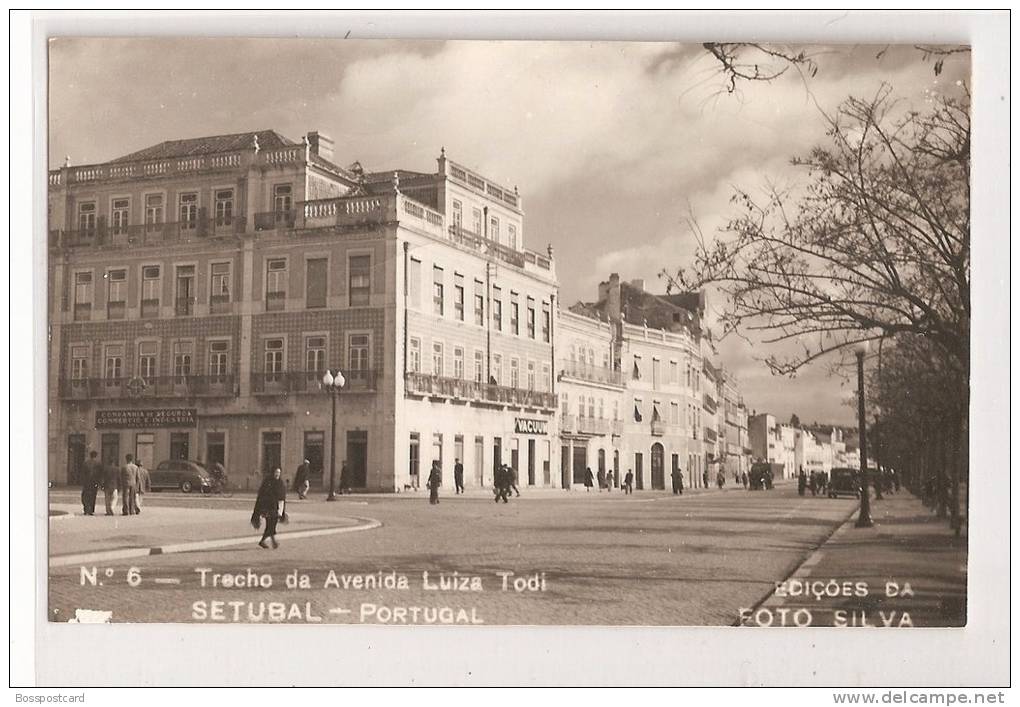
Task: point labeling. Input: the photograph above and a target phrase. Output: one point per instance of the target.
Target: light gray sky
(611, 144)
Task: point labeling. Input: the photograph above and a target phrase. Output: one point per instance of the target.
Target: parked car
(844, 482)
(181, 474)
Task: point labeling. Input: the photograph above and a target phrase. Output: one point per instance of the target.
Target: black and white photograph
(518, 332)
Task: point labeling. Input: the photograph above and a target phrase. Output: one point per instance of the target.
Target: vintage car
(844, 482)
(181, 474)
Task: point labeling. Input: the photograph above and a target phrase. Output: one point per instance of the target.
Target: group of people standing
(604, 479)
(504, 481)
(130, 482)
(816, 482)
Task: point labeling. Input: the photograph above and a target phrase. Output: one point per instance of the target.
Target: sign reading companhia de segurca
(163, 417)
(526, 426)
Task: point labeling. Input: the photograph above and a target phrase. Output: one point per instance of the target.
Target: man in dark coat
(91, 479)
(501, 480)
(458, 475)
(675, 476)
(345, 479)
(301, 482)
(628, 482)
(589, 480)
(434, 482)
(801, 482)
(272, 493)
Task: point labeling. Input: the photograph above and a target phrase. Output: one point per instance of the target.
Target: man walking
(628, 482)
(458, 476)
(144, 485)
(92, 477)
(512, 478)
(502, 482)
(128, 486)
(743, 479)
(111, 479)
(301, 482)
(675, 477)
(434, 482)
(601, 479)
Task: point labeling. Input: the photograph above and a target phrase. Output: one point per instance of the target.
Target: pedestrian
(512, 479)
(720, 479)
(345, 479)
(743, 479)
(502, 481)
(704, 478)
(801, 482)
(111, 480)
(610, 477)
(458, 476)
(144, 485)
(301, 482)
(628, 482)
(896, 480)
(813, 483)
(601, 479)
(680, 481)
(272, 493)
(434, 482)
(589, 480)
(736, 477)
(128, 485)
(91, 479)
(675, 478)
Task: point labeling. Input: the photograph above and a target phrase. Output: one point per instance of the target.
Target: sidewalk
(907, 545)
(166, 529)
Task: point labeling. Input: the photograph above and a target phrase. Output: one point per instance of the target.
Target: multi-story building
(200, 289)
(735, 444)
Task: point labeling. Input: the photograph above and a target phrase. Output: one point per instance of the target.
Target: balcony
(147, 388)
(150, 233)
(710, 435)
(594, 426)
(710, 404)
(422, 384)
(593, 374)
(286, 382)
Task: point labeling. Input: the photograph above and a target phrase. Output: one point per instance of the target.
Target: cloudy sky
(613, 145)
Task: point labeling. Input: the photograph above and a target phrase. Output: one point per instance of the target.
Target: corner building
(200, 288)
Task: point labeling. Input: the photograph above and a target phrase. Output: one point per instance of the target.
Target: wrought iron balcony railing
(586, 372)
(442, 387)
(155, 387)
(284, 382)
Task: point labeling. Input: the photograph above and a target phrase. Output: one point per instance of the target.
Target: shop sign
(526, 426)
(162, 417)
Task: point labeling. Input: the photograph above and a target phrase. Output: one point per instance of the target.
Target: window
(638, 412)
(82, 296)
(674, 373)
(479, 303)
(437, 291)
(153, 209)
(185, 299)
(580, 406)
(219, 359)
(479, 366)
(515, 324)
(150, 291)
(113, 369)
(546, 320)
(497, 369)
(119, 211)
(602, 411)
(414, 355)
(414, 284)
(224, 206)
(282, 201)
(512, 236)
(273, 359)
(476, 219)
(87, 217)
(458, 363)
(616, 409)
(565, 404)
(437, 358)
(188, 210)
(531, 375)
(591, 406)
(674, 413)
(531, 318)
(494, 229)
(458, 215)
(315, 283)
(497, 309)
(79, 362)
(183, 351)
(458, 298)
(357, 352)
(315, 354)
(147, 352)
(515, 373)
(656, 373)
(636, 373)
(546, 378)
(219, 288)
(276, 284)
(116, 293)
(360, 283)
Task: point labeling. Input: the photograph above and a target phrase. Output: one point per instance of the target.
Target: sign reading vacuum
(166, 417)
(524, 426)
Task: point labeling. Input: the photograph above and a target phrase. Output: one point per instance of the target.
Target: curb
(803, 568)
(104, 555)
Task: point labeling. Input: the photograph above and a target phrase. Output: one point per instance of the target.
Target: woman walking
(272, 493)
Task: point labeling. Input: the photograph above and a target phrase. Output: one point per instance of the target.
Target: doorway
(314, 452)
(514, 454)
(272, 451)
(531, 462)
(413, 459)
(565, 467)
(658, 467)
(580, 464)
(497, 454)
(616, 468)
(75, 457)
(180, 445)
(357, 458)
(145, 444)
(480, 461)
(639, 471)
(216, 448)
(110, 449)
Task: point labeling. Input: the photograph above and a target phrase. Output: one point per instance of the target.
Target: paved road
(646, 559)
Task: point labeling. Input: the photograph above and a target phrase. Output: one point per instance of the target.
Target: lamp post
(331, 384)
(864, 517)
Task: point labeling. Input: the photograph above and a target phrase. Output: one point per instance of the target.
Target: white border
(50, 654)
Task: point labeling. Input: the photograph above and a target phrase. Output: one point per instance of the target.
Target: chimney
(613, 298)
(321, 145)
(638, 284)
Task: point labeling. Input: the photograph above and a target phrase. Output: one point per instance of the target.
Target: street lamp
(331, 384)
(864, 518)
